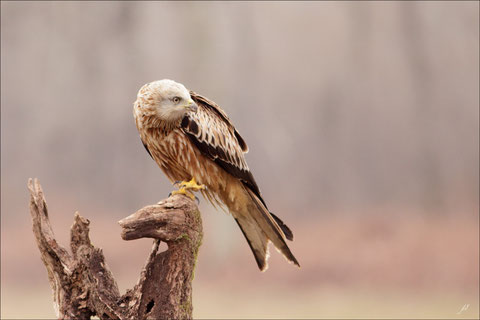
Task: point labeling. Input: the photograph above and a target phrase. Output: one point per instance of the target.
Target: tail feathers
(257, 241)
(266, 225)
(286, 230)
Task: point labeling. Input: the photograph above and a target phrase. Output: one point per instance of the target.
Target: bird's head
(162, 101)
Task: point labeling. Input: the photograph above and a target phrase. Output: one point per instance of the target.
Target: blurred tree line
(345, 105)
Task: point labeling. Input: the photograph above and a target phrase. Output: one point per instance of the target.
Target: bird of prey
(196, 145)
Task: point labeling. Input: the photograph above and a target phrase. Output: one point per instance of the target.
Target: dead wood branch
(82, 283)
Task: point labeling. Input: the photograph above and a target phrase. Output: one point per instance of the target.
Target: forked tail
(260, 226)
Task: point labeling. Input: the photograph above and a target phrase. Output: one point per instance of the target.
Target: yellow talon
(185, 188)
(192, 184)
(185, 192)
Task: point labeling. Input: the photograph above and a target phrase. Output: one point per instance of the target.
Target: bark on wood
(82, 283)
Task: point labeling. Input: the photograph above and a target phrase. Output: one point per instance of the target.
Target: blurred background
(362, 121)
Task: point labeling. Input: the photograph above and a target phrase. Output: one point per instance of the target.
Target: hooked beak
(192, 106)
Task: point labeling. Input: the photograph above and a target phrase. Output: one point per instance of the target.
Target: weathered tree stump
(82, 283)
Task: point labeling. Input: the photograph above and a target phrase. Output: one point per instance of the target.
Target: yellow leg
(185, 188)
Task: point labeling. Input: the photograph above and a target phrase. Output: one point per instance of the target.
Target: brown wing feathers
(210, 130)
(213, 106)
(221, 148)
(216, 153)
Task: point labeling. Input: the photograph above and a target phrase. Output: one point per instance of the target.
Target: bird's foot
(183, 191)
(185, 187)
(191, 185)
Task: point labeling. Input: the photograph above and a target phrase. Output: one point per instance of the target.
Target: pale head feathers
(162, 103)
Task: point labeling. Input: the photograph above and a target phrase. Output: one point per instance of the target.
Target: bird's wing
(200, 100)
(212, 132)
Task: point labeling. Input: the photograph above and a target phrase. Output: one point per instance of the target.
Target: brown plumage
(189, 136)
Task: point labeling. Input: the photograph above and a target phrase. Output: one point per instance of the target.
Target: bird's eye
(176, 99)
